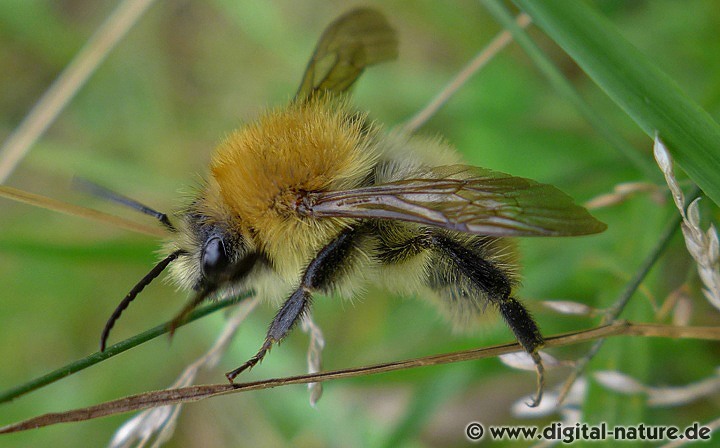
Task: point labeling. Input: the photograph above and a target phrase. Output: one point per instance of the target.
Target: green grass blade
(565, 88)
(111, 351)
(646, 93)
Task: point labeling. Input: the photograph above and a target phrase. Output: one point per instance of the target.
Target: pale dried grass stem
(477, 63)
(67, 84)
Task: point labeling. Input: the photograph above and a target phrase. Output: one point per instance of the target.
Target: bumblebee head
(204, 253)
(220, 257)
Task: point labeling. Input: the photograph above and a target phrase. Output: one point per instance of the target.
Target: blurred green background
(191, 71)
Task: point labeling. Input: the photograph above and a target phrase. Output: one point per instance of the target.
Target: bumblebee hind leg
(467, 274)
(495, 286)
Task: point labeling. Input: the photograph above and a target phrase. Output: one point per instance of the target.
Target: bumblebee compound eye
(215, 260)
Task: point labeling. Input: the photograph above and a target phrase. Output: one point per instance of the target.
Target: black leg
(528, 335)
(521, 323)
(318, 275)
(497, 287)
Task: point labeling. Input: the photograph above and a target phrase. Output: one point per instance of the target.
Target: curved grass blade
(111, 351)
(651, 98)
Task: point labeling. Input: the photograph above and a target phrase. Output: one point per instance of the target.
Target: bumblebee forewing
(466, 199)
(360, 38)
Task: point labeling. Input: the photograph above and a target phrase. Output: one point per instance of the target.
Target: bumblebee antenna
(137, 289)
(105, 193)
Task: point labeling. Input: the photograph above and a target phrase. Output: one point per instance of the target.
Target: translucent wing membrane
(463, 198)
(360, 38)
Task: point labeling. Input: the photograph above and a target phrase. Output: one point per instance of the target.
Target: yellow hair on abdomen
(260, 169)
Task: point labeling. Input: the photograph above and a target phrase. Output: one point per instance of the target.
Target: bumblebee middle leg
(319, 275)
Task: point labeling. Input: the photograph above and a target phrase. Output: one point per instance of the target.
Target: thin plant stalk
(195, 393)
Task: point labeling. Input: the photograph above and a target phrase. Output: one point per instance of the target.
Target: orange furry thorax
(261, 168)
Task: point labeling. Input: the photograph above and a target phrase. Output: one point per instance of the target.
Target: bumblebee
(316, 198)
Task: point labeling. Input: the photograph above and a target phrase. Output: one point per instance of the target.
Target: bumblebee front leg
(318, 275)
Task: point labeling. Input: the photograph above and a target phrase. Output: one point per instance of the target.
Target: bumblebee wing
(357, 39)
(465, 199)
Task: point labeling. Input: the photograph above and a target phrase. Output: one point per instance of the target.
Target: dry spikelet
(703, 246)
(668, 396)
(314, 355)
(157, 425)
